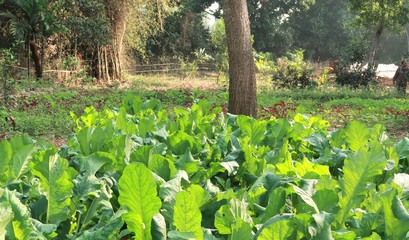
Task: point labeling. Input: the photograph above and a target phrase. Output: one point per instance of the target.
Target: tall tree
(320, 30)
(379, 15)
(242, 84)
(270, 24)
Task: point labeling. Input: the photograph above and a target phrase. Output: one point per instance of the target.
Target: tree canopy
(101, 33)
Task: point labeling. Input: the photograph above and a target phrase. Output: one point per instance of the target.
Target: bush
(293, 72)
(357, 77)
(264, 63)
(219, 44)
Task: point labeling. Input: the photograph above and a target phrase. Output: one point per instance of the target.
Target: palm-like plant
(29, 20)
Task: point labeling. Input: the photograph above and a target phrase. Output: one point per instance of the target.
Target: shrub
(264, 63)
(293, 72)
(357, 77)
(219, 44)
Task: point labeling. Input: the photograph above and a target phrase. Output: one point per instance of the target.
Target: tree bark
(35, 54)
(117, 11)
(407, 36)
(242, 83)
(374, 48)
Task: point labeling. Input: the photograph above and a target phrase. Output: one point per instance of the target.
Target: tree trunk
(242, 83)
(35, 54)
(117, 11)
(374, 48)
(407, 36)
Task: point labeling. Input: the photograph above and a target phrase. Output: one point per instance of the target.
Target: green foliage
(87, 24)
(351, 70)
(29, 19)
(219, 44)
(264, 63)
(197, 173)
(359, 170)
(273, 33)
(190, 68)
(137, 194)
(56, 182)
(17, 218)
(293, 72)
(358, 77)
(321, 29)
(186, 216)
(183, 33)
(380, 14)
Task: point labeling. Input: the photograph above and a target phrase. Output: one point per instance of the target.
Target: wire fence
(169, 68)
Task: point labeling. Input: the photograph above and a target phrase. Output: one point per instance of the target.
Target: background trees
(102, 33)
(95, 32)
(378, 15)
(30, 21)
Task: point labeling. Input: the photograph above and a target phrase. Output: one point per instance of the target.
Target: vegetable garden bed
(197, 173)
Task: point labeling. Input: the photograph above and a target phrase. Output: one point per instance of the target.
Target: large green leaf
(326, 200)
(142, 154)
(374, 236)
(229, 216)
(56, 181)
(277, 230)
(318, 142)
(402, 148)
(276, 202)
(253, 128)
(322, 227)
(19, 227)
(108, 230)
(124, 122)
(5, 158)
(241, 231)
(138, 195)
(94, 162)
(20, 161)
(359, 170)
(145, 125)
(91, 140)
(200, 195)
(396, 217)
(162, 167)
(369, 223)
(180, 141)
(277, 132)
(43, 231)
(159, 227)
(187, 216)
(254, 163)
(176, 235)
(308, 170)
(402, 180)
(6, 215)
(356, 135)
(306, 196)
(168, 192)
(187, 162)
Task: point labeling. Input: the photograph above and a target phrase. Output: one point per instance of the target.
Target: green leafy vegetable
(187, 217)
(138, 195)
(359, 170)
